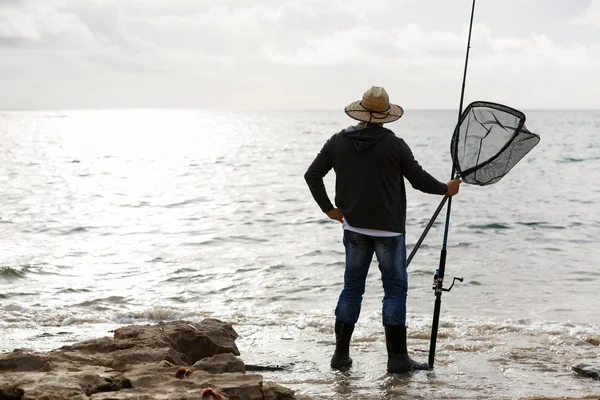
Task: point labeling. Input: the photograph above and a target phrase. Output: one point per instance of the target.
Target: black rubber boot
(398, 359)
(341, 356)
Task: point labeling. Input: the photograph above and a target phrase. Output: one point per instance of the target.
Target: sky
(296, 54)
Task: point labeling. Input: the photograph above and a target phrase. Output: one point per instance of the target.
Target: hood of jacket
(364, 138)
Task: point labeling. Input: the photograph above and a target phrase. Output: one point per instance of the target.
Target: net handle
(426, 231)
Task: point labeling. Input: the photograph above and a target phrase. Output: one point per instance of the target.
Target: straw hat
(374, 107)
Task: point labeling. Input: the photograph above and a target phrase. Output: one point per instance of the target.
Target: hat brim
(356, 111)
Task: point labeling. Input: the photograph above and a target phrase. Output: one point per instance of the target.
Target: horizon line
(252, 109)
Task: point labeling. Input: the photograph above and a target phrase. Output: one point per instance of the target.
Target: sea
(117, 217)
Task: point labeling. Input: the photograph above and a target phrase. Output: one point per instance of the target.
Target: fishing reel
(438, 282)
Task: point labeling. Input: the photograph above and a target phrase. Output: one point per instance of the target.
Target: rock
(22, 360)
(11, 393)
(593, 340)
(221, 363)
(139, 362)
(179, 342)
(275, 392)
(587, 370)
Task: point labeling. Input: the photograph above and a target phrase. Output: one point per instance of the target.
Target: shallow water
(120, 217)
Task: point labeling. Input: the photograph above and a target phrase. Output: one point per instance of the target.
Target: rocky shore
(174, 360)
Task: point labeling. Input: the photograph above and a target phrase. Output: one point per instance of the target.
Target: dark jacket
(369, 164)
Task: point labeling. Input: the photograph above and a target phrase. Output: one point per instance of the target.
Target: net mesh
(489, 141)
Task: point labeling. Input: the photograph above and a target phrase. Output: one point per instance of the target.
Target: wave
(410, 246)
(275, 267)
(162, 260)
(13, 273)
(137, 204)
(312, 253)
(61, 231)
(187, 202)
(196, 279)
(541, 224)
(56, 116)
(79, 229)
(110, 299)
(468, 348)
(156, 314)
(84, 319)
(494, 225)
(194, 244)
(577, 160)
(421, 272)
(71, 290)
(243, 239)
(13, 307)
(153, 315)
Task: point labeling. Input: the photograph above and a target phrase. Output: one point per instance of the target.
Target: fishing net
(489, 141)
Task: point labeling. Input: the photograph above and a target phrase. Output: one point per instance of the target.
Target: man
(370, 163)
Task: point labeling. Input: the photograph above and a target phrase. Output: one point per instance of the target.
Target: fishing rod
(452, 175)
(438, 279)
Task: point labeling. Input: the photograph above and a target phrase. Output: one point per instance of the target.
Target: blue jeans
(391, 254)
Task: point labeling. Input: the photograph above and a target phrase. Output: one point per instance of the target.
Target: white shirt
(369, 232)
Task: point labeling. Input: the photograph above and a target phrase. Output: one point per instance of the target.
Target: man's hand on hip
(336, 214)
(453, 187)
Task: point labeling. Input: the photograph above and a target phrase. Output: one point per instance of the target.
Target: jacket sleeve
(416, 175)
(321, 165)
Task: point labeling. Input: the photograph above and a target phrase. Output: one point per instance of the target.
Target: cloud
(591, 15)
(85, 32)
(42, 25)
(355, 44)
(15, 24)
(123, 65)
(301, 53)
(101, 20)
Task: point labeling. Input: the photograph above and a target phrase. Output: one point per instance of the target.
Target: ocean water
(121, 217)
